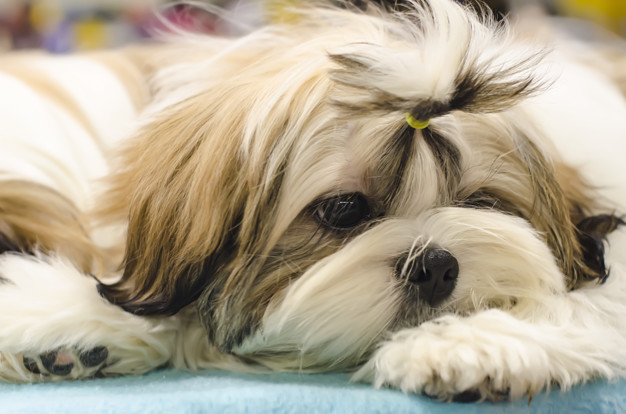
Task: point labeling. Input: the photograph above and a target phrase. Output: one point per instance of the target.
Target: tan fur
(576, 191)
(187, 158)
(166, 232)
(35, 217)
(549, 194)
(551, 213)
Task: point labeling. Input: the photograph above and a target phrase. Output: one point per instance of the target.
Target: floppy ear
(182, 191)
(592, 232)
(554, 199)
(197, 186)
(563, 202)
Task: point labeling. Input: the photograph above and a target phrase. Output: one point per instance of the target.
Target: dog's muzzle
(434, 273)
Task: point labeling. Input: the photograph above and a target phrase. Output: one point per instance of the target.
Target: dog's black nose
(434, 273)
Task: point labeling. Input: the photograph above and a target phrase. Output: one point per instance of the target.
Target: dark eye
(343, 211)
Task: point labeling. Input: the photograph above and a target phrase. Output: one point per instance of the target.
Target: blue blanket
(175, 392)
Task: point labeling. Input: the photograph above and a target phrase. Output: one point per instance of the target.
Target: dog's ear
(592, 232)
(197, 185)
(181, 188)
(556, 200)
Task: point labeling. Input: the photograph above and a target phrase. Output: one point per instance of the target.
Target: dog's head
(310, 188)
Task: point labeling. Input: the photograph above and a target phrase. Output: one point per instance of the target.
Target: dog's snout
(434, 272)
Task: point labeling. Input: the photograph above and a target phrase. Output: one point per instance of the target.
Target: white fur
(343, 320)
(47, 144)
(586, 137)
(47, 304)
(564, 339)
(511, 325)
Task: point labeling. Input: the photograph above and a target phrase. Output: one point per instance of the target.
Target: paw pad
(31, 365)
(57, 362)
(94, 356)
(468, 396)
(63, 362)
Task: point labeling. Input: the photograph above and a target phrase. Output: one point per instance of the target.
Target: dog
(425, 197)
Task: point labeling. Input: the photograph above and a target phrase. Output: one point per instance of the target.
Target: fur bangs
(438, 57)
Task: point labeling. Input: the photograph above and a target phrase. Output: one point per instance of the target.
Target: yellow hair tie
(416, 123)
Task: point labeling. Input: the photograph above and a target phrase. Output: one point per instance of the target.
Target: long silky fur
(228, 262)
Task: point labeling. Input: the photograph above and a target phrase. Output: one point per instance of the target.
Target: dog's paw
(67, 363)
(454, 359)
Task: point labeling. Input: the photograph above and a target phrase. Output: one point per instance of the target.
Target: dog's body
(280, 211)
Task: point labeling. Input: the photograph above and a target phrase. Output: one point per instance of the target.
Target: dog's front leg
(493, 355)
(54, 325)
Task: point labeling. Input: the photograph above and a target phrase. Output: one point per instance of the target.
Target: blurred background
(62, 26)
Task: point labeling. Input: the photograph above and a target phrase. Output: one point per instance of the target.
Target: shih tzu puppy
(426, 198)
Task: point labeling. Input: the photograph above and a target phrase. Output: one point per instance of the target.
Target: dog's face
(277, 186)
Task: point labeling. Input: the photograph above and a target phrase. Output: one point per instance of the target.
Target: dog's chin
(336, 313)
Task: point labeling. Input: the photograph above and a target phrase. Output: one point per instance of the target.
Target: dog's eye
(343, 211)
